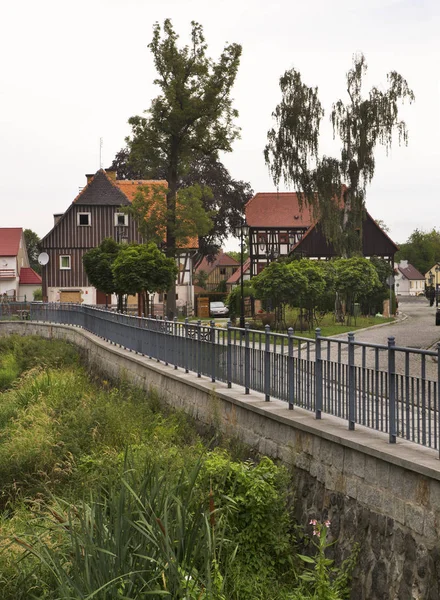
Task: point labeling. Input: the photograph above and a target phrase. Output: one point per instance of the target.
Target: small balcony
(7, 274)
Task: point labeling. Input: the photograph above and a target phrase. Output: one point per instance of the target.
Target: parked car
(217, 309)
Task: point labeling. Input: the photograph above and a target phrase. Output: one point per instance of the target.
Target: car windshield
(217, 305)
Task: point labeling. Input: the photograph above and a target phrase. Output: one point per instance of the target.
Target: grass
(106, 495)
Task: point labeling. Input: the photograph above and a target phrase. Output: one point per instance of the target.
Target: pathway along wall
(385, 497)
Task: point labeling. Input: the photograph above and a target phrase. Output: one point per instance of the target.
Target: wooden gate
(203, 307)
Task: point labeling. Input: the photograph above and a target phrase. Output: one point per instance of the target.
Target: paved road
(416, 329)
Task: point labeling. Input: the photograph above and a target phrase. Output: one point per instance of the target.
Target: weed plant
(105, 495)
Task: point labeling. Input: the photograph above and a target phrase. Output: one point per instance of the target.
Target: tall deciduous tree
(149, 209)
(223, 197)
(192, 115)
(335, 188)
(32, 244)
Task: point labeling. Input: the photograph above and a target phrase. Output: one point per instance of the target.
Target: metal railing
(388, 388)
(14, 310)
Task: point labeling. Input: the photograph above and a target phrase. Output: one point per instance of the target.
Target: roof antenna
(101, 143)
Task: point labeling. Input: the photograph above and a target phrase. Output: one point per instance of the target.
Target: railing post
(186, 353)
(392, 389)
(438, 394)
(291, 369)
(229, 356)
(247, 360)
(318, 374)
(175, 345)
(267, 363)
(199, 348)
(351, 383)
(212, 335)
(157, 329)
(165, 343)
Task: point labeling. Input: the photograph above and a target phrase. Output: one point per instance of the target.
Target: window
(84, 219)
(121, 220)
(284, 238)
(65, 262)
(222, 270)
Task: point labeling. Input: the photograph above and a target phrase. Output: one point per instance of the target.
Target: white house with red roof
(17, 280)
(408, 280)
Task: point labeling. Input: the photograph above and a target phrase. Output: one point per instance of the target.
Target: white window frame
(80, 214)
(61, 262)
(125, 223)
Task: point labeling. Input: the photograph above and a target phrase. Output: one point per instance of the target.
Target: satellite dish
(43, 258)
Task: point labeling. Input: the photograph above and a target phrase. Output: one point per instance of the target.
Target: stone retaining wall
(385, 497)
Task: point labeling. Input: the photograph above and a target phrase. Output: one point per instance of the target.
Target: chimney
(111, 174)
(57, 217)
(89, 177)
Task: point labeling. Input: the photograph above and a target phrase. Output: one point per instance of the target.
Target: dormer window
(121, 220)
(84, 219)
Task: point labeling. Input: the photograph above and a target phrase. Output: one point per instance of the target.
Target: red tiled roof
(130, 187)
(10, 240)
(97, 191)
(235, 277)
(29, 277)
(221, 260)
(277, 209)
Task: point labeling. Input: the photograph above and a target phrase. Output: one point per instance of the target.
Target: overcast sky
(74, 72)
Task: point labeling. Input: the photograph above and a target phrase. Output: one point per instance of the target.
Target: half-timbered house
(279, 227)
(217, 270)
(96, 214)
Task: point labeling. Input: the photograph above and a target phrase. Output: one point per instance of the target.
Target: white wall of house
(26, 292)
(8, 284)
(88, 294)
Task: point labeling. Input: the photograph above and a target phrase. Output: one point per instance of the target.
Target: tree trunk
(171, 224)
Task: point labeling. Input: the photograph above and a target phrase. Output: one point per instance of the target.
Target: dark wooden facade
(375, 242)
(101, 201)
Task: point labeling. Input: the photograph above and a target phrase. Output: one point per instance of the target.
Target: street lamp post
(437, 269)
(242, 231)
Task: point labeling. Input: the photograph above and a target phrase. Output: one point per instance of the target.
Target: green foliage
(143, 267)
(109, 497)
(18, 355)
(149, 209)
(234, 298)
(257, 524)
(335, 188)
(98, 264)
(355, 278)
(201, 279)
(33, 249)
(38, 295)
(279, 284)
(422, 250)
(321, 579)
(192, 115)
(223, 198)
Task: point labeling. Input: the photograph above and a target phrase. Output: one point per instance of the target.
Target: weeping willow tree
(335, 188)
